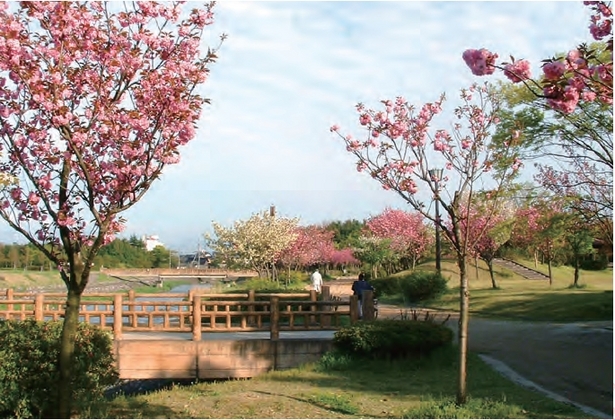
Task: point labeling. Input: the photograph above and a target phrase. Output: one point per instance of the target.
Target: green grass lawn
(21, 279)
(423, 388)
(519, 298)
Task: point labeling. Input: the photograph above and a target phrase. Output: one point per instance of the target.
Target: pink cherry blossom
(481, 62)
(518, 71)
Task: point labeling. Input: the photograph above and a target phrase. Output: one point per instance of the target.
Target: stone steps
(522, 270)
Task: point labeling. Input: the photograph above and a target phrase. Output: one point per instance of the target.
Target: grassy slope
(370, 389)
(520, 298)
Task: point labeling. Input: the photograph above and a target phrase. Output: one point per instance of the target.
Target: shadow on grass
(564, 306)
(423, 378)
(135, 408)
(338, 408)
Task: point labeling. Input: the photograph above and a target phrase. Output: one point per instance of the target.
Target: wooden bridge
(198, 334)
(178, 272)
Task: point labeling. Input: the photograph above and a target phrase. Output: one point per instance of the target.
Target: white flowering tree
(255, 243)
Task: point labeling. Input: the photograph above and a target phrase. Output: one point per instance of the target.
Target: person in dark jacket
(358, 286)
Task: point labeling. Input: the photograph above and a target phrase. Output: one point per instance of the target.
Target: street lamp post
(436, 175)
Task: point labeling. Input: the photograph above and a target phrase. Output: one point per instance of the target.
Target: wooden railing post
(368, 305)
(9, 296)
(38, 307)
(326, 296)
(313, 298)
(274, 308)
(251, 298)
(196, 317)
(354, 309)
(117, 317)
(131, 295)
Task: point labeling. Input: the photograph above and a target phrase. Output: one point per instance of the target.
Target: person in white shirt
(316, 281)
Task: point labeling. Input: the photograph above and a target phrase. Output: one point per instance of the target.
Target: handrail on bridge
(177, 312)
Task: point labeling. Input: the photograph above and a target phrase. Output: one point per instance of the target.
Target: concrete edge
(506, 371)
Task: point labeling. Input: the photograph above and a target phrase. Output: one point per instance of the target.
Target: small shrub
(421, 286)
(335, 361)
(29, 375)
(391, 339)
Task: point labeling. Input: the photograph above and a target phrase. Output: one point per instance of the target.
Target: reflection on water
(185, 288)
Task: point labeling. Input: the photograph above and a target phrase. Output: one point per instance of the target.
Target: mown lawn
(519, 298)
(340, 388)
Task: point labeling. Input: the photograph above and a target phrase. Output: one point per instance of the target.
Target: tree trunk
(464, 314)
(550, 272)
(491, 273)
(476, 265)
(67, 351)
(535, 258)
(576, 272)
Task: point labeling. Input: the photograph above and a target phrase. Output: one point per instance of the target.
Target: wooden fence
(176, 312)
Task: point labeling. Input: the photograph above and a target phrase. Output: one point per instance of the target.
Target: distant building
(151, 242)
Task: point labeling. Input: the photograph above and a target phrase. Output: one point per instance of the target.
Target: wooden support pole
(117, 317)
(9, 296)
(196, 317)
(251, 298)
(368, 305)
(354, 309)
(313, 298)
(275, 317)
(326, 296)
(38, 307)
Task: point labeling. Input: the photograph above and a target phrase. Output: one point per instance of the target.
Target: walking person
(316, 281)
(358, 286)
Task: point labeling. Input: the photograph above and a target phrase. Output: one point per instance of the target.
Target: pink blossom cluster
(95, 105)
(481, 62)
(394, 152)
(407, 231)
(313, 245)
(566, 80)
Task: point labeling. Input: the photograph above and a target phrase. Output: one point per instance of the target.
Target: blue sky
(289, 70)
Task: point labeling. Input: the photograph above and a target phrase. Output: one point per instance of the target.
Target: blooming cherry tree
(488, 227)
(255, 243)
(94, 104)
(567, 80)
(407, 231)
(314, 245)
(399, 148)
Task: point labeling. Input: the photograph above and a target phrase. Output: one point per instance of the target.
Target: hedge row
(29, 372)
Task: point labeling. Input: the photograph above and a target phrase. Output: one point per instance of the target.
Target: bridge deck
(247, 335)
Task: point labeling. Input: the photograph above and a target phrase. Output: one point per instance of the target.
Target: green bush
(423, 286)
(414, 287)
(600, 263)
(391, 339)
(264, 285)
(28, 372)
(387, 286)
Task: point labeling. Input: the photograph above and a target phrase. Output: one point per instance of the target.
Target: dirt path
(572, 360)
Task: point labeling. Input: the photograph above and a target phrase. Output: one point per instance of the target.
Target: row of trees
(121, 253)
(545, 228)
(267, 243)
